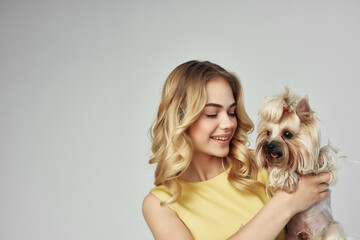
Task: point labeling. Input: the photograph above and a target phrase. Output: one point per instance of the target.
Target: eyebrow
(218, 105)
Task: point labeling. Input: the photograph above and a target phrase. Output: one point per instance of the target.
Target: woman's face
(212, 131)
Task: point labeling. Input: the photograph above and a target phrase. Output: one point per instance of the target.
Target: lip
(222, 135)
(220, 141)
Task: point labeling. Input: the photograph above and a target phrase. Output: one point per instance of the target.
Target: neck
(204, 168)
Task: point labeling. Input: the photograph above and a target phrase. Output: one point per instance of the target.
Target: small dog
(288, 146)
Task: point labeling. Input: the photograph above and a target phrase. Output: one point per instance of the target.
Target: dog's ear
(304, 111)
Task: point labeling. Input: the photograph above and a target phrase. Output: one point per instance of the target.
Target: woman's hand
(283, 206)
(310, 190)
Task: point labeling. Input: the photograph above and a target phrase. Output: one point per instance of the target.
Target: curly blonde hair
(182, 101)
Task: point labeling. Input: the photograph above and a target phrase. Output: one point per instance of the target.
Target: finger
(324, 177)
(324, 195)
(323, 187)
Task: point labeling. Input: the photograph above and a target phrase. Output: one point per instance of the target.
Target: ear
(303, 110)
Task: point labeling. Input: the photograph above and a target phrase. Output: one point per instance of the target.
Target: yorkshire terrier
(288, 146)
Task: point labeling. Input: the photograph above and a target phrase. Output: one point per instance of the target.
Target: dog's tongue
(274, 155)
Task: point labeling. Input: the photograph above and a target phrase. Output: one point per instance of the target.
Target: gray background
(80, 82)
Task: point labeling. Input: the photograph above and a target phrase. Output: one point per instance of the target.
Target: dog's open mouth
(274, 158)
(274, 149)
(276, 155)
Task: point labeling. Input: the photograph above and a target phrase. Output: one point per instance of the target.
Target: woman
(208, 185)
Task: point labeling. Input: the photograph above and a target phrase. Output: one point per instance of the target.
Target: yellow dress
(214, 209)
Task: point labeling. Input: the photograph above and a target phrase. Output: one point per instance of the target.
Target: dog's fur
(288, 146)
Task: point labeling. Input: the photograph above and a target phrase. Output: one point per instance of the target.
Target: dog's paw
(288, 187)
(290, 184)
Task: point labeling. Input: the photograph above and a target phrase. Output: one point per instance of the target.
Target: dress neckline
(219, 176)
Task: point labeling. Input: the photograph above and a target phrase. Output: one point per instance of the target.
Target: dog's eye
(268, 133)
(288, 135)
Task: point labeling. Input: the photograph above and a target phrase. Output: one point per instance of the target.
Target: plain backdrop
(80, 82)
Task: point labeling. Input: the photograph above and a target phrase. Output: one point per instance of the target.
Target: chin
(222, 154)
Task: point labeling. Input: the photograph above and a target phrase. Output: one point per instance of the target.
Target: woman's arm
(163, 222)
(268, 223)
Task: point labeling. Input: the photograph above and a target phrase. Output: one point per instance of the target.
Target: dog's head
(288, 134)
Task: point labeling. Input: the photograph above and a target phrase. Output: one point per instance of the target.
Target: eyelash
(215, 115)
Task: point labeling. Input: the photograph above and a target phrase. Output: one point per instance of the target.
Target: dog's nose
(271, 146)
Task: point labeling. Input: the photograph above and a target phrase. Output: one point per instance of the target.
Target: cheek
(201, 129)
(195, 130)
(235, 123)
(191, 131)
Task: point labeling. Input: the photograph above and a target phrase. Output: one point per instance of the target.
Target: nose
(271, 146)
(228, 122)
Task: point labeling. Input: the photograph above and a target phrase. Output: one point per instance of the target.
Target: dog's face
(288, 137)
(276, 140)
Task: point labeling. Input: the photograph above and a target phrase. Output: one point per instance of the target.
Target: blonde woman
(207, 184)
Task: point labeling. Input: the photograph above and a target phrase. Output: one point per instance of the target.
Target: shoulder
(161, 192)
(162, 221)
(152, 209)
(155, 197)
(150, 202)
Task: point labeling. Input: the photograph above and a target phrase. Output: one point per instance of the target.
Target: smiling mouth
(220, 138)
